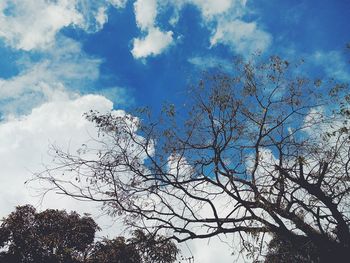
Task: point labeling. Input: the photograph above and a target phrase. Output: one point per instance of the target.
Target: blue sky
(192, 36)
(60, 58)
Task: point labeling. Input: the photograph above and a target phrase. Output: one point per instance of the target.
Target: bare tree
(260, 151)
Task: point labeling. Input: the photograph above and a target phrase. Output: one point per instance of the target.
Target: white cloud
(24, 143)
(333, 63)
(63, 67)
(33, 24)
(153, 44)
(210, 8)
(47, 18)
(101, 16)
(242, 37)
(145, 13)
(217, 249)
(118, 3)
(207, 62)
(225, 20)
(118, 95)
(156, 41)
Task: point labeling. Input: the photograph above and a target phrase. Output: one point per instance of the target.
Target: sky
(61, 58)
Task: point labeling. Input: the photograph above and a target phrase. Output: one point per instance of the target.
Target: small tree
(140, 248)
(262, 150)
(297, 251)
(54, 236)
(48, 236)
(114, 251)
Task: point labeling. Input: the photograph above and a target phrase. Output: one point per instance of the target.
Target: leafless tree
(261, 150)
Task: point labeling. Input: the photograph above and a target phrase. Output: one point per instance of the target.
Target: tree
(140, 248)
(264, 150)
(54, 236)
(113, 251)
(48, 236)
(298, 251)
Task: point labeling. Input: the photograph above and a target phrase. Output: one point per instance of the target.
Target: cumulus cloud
(101, 16)
(29, 24)
(225, 20)
(118, 3)
(155, 40)
(145, 13)
(62, 68)
(221, 249)
(207, 62)
(33, 24)
(24, 143)
(242, 37)
(333, 63)
(210, 8)
(154, 43)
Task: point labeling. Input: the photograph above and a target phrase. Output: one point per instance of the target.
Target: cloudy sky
(61, 58)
